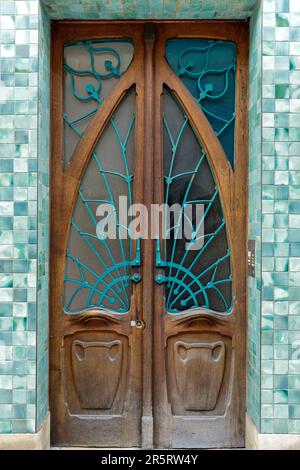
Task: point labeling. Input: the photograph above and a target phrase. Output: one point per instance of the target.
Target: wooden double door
(148, 331)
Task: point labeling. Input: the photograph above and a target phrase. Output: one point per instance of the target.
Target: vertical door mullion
(147, 259)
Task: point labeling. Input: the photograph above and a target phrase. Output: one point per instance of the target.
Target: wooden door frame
(232, 184)
(66, 183)
(148, 296)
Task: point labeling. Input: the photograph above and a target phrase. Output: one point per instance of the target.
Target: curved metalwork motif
(196, 276)
(207, 69)
(97, 272)
(91, 69)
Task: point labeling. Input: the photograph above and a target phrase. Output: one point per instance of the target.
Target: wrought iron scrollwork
(111, 69)
(102, 64)
(198, 278)
(101, 274)
(207, 68)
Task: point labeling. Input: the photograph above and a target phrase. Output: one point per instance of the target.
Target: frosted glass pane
(97, 271)
(194, 277)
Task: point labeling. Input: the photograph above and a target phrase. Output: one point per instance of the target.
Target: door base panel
(184, 435)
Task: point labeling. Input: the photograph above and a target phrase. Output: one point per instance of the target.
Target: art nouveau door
(148, 336)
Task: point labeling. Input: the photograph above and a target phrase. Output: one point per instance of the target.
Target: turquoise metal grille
(207, 69)
(193, 278)
(91, 69)
(98, 270)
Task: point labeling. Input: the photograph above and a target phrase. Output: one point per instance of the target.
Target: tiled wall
(280, 351)
(113, 9)
(43, 217)
(255, 153)
(274, 151)
(24, 97)
(274, 218)
(18, 214)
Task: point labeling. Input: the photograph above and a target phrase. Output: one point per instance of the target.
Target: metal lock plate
(139, 324)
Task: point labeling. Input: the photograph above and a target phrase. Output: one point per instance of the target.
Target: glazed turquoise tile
(267, 397)
(282, 34)
(281, 91)
(267, 411)
(267, 426)
(281, 219)
(280, 279)
(294, 322)
(294, 366)
(295, 249)
(267, 307)
(281, 76)
(294, 219)
(282, 6)
(268, 91)
(294, 412)
(294, 48)
(295, 19)
(281, 352)
(268, 162)
(294, 307)
(294, 382)
(282, 105)
(294, 397)
(282, 19)
(281, 383)
(280, 426)
(268, 107)
(281, 366)
(294, 164)
(294, 293)
(5, 426)
(5, 411)
(281, 411)
(281, 337)
(268, 48)
(281, 264)
(268, 220)
(294, 77)
(294, 192)
(294, 235)
(281, 120)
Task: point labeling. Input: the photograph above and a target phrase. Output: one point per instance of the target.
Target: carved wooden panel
(198, 369)
(96, 370)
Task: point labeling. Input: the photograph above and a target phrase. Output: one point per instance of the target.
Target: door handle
(136, 277)
(159, 263)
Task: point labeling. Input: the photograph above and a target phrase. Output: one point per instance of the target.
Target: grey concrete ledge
(34, 441)
(258, 441)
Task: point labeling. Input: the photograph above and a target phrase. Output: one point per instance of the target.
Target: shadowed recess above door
(138, 9)
(207, 69)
